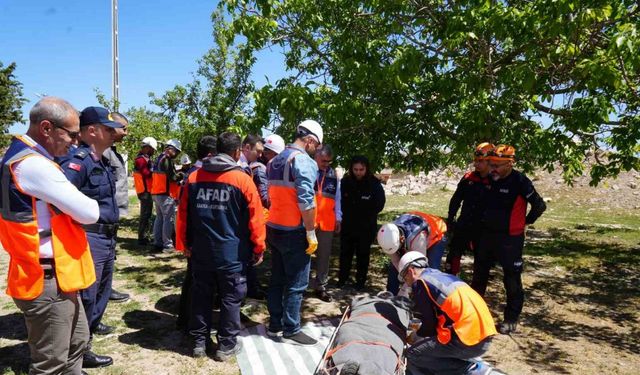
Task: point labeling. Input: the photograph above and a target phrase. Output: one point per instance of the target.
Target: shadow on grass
(155, 331)
(12, 327)
(14, 359)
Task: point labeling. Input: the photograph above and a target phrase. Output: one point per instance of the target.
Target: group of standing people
(60, 210)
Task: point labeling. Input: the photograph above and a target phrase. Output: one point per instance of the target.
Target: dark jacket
(220, 217)
(470, 194)
(361, 203)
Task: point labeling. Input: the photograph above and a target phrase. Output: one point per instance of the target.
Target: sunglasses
(72, 135)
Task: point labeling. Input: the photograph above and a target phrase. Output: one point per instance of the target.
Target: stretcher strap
(333, 351)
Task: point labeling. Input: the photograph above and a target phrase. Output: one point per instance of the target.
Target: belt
(109, 229)
(45, 233)
(47, 267)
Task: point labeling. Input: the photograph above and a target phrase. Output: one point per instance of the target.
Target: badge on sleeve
(75, 167)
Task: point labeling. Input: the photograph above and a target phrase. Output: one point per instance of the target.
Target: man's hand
(257, 259)
(313, 242)
(338, 227)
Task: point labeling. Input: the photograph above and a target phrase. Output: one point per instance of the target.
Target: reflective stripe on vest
(326, 189)
(20, 237)
(458, 307)
(284, 212)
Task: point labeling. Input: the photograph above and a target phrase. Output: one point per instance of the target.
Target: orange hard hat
(483, 150)
(503, 152)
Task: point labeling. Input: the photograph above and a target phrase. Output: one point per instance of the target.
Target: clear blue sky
(63, 48)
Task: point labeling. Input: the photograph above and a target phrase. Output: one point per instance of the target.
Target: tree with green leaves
(416, 84)
(218, 98)
(11, 101)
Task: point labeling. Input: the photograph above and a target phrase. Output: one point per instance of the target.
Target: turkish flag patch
(75, 167)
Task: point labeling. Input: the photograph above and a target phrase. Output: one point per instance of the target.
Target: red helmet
(503, 152)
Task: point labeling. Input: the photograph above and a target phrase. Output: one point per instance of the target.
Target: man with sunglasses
(91, 173)
(470, 194)
(40, 228)
(503, 224)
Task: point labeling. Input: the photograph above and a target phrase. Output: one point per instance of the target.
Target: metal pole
(115, 88)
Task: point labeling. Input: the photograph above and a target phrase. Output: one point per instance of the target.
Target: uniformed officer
(504, 219)
(469, 193)
(91, 173)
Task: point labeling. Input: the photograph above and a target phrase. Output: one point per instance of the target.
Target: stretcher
(381, 339)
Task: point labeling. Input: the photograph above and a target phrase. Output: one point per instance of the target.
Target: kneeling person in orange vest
(456, 324)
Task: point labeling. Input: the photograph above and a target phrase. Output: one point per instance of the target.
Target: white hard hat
(185, 159)
(389, 238)
(175, 144)
(151, 142)
(274, 143)
(311, 127)
(411, 258)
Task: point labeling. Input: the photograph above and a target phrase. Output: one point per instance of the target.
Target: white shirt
(39, 177)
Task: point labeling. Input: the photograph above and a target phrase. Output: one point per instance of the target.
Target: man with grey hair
(40, 228)
(328, 217)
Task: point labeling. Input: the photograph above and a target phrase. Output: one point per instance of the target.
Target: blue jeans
(434, 254)
(289, 278)
(163, 226)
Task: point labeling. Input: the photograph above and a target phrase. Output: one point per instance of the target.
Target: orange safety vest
(160, 184)
(458, 307)
(437, 226)
(284, 212)
(326, 190)
(142, 184)
(19, 235)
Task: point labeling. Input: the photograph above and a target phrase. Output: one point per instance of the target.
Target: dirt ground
(581, 315)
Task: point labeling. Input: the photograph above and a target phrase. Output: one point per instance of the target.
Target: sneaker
(299, 338)
(507, 327)
(199, 352)
(479, 368)
(224, 355)
(274, 334)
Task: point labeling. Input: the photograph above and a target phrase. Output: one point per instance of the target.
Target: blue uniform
(93, 176)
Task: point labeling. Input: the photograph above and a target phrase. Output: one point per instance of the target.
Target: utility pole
(115, 79)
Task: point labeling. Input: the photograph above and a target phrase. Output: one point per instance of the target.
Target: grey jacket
(119, 166)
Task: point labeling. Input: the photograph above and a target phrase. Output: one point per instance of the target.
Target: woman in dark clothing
(362, 198)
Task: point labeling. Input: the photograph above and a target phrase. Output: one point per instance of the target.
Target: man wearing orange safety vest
(328, 217)
(455, 323)
(165, 188)
(413, 231)
(291, 231)
(142, 180)
(40, 228)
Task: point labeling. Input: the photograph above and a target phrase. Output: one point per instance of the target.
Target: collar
(35, 145)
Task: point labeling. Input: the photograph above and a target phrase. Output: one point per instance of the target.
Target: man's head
(98, 128)
(273, 145)
(120, 132)
(229, 143)
(149, 146)
(411, 266)
(501, 161)
(324, 157)
(252, 147)
(481, 158)
(54, 124)
(309, 136)
(206, 147)
(173, 148)
(359, 167)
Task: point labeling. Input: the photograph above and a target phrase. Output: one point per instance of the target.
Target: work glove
(313, 242)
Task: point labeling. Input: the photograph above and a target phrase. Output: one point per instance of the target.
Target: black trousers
(360, 245)
(233, 288)
(507, 251)
(146, 210)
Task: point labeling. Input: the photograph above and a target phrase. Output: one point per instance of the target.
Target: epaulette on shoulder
(81, 153)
